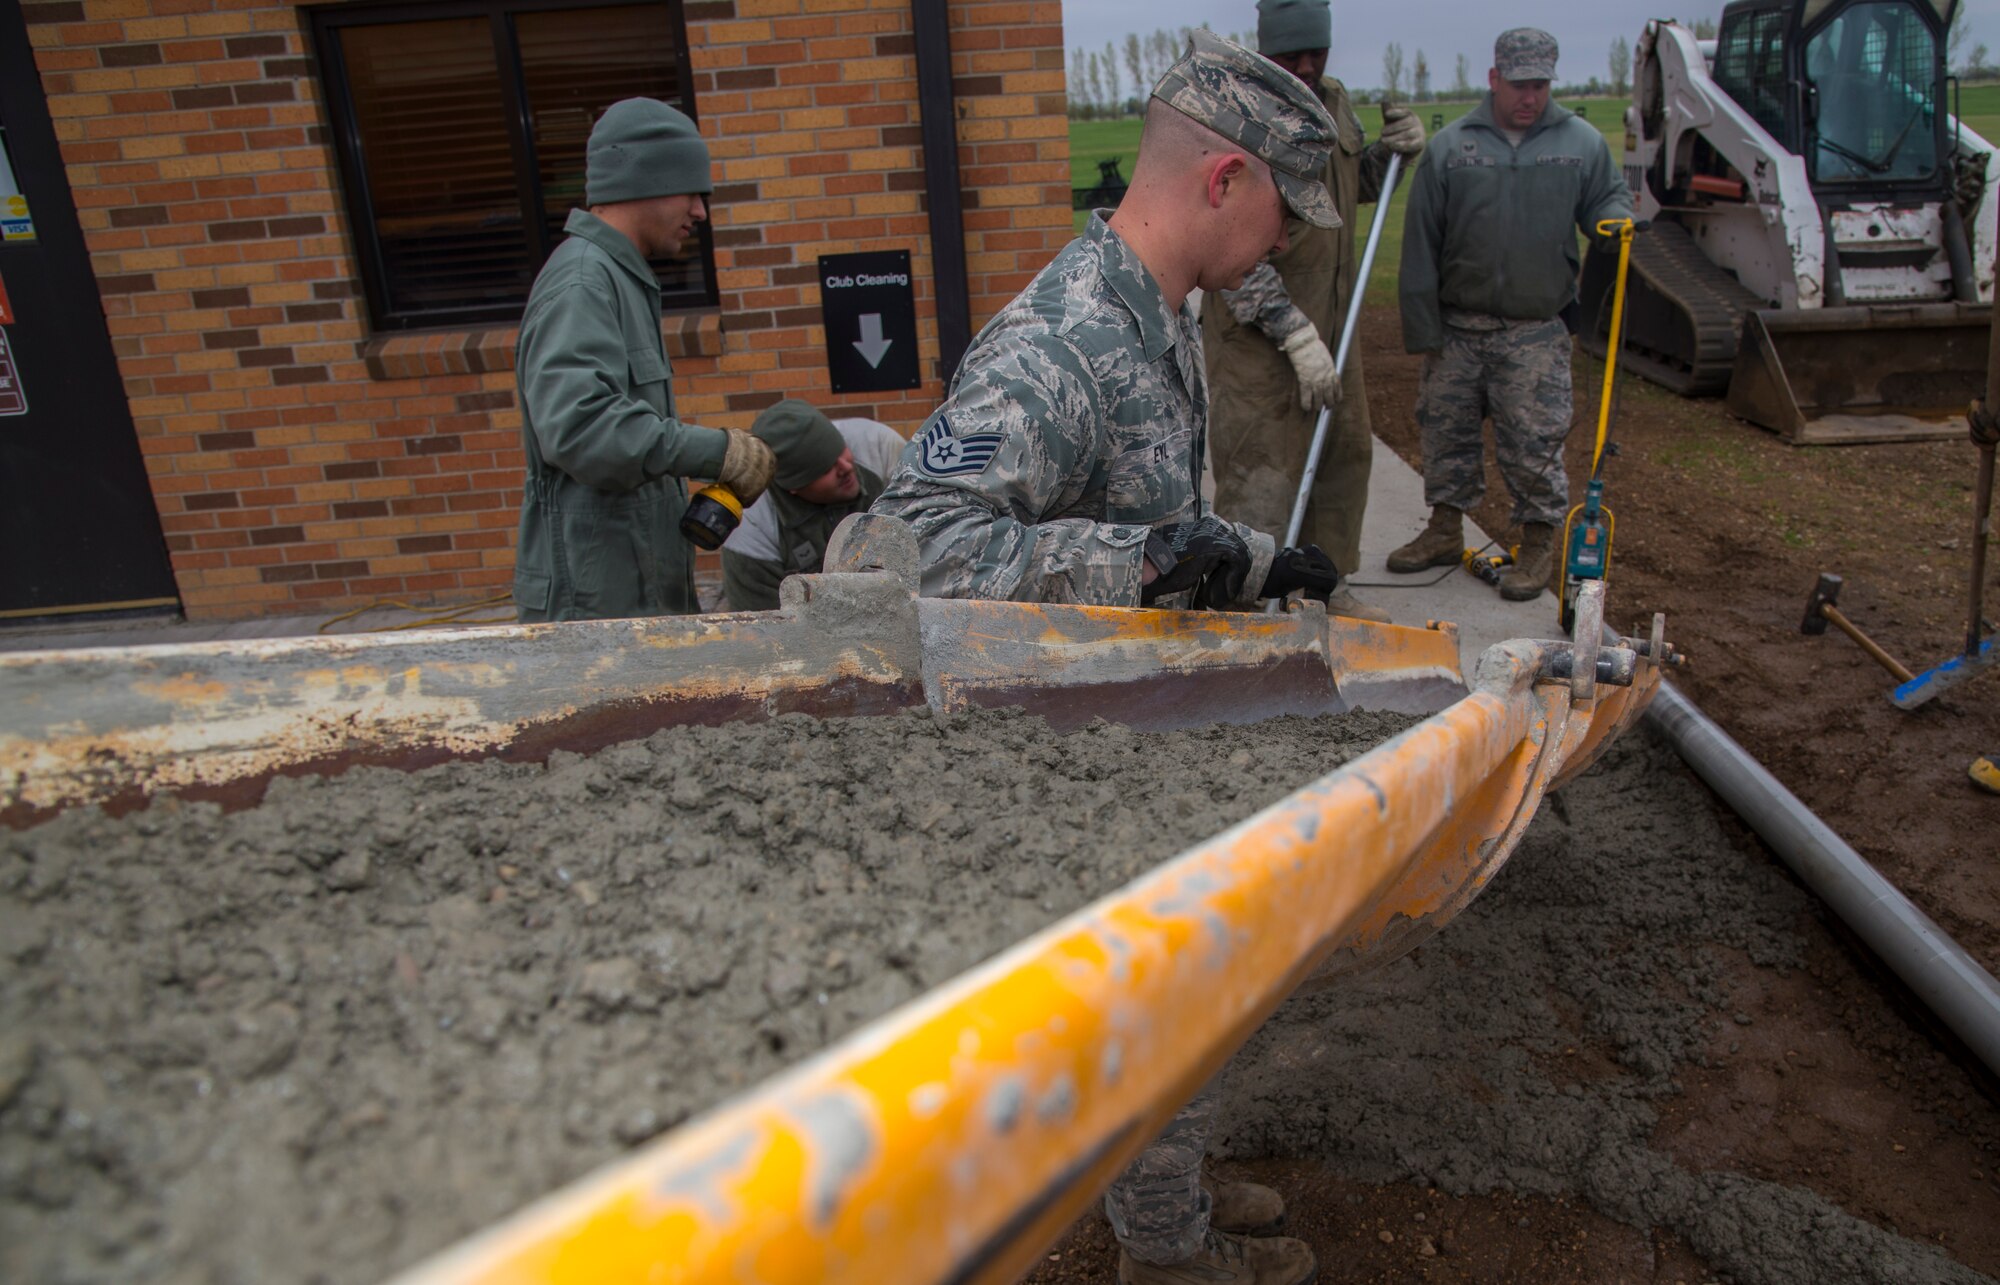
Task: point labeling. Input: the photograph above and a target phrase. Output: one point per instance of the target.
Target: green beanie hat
(805, 441)
(1288, 26)
(641, 148)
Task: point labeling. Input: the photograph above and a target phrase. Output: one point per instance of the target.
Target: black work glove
(1302, 568)
(1205, 555)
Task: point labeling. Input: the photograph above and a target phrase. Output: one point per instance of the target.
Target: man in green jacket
(827, 469)
(1489, 265)
(1268, 346)
(602, 504)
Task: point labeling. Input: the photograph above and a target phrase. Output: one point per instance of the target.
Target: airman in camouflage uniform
(1063, 464)
(1063, 467)
(1489, 265)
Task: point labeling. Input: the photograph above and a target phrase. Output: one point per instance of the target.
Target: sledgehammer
(1820, 610)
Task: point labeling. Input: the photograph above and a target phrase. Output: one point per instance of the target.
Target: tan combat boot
(1228, 1260)
(1532, 565)
(1243, 1208)
(1441, 544)
(1343, 603)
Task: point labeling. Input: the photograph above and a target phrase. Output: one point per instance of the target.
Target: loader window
(1750, 66)
(1873, 79)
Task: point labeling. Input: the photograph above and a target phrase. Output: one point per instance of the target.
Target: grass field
(1094, 141)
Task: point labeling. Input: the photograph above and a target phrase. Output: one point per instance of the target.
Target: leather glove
(1205, 555)
(1402, 132)
(1304, 568)
(747, 466)
(1319, 384)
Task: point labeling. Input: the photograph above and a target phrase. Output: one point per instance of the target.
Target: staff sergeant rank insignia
(946, 454)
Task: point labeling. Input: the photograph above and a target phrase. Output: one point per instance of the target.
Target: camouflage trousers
(1519, 375)
(1157, 1207)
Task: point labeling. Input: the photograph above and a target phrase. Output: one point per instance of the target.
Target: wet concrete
(320, 1038)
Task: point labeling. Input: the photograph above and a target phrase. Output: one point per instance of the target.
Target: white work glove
(747, 465)
(1319, 383)
(1402, 132)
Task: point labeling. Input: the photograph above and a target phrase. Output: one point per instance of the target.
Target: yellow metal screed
(954, 1138)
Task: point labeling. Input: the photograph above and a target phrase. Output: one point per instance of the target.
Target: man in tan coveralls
(1268, 345)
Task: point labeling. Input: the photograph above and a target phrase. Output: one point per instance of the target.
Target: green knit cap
(805, 441)
(642, 148)
(1289, 26)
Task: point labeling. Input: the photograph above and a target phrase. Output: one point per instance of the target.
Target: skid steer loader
(1823, 228)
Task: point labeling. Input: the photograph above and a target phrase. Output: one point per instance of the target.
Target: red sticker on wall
(6, 309)
(13, 398)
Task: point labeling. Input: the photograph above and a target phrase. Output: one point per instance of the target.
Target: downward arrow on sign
(872, 345)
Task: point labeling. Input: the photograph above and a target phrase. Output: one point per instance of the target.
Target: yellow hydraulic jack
(1587, 532)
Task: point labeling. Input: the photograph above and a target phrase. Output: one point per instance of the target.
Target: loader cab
(1853, 86)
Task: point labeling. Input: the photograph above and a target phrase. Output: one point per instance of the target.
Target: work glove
(1205, 555)
(1402, 132)
(1304, 568)
(1319, 383)
(747, 465)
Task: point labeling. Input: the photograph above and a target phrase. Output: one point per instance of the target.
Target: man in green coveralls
(1268, 346)
(602, 504)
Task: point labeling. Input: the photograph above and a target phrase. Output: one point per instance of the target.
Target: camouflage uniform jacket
(1076, 422)
(1354, 176)
(1490, 226)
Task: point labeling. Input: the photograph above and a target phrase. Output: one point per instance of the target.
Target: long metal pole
(1340, 360)
(1346, 343)
(1982, 532)
(1982, 499)
(1962, 993)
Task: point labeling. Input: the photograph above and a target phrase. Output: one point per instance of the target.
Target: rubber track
(1668, 265)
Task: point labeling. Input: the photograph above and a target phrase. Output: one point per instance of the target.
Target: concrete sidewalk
(1396, 512)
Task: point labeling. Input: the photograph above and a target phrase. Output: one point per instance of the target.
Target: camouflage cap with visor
(1525, 53)
(1269, 112)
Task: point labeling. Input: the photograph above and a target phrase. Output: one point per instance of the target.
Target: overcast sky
(1442, 29)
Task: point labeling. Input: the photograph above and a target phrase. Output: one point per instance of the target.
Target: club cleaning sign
(870, 311)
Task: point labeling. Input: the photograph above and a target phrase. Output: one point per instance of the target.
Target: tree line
(1114, 82)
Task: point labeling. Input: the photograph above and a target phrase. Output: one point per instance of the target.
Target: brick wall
(300, 463)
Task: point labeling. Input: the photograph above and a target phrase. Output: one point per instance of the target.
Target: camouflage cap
(1525, 53)
(1252, 101)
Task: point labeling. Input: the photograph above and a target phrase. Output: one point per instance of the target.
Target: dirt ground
(1829, 1080)
(1725, 528)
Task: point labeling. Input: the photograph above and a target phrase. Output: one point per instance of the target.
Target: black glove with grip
(1304, 568)
(1205, 555)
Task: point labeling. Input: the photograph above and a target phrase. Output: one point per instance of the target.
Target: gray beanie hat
(805, 441)
(1289, 26)
(642, 148)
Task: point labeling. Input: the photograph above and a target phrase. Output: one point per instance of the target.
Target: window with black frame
(461, 126)
(1750, 66)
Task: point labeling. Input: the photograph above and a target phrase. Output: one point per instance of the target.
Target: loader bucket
(1861, 373)
(955, 1137)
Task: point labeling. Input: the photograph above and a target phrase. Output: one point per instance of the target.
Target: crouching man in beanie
(602, 504)
(827, 469)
